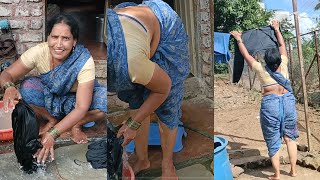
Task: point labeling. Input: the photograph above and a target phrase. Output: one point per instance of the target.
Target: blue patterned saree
(278, 115)
(52, 89)
(172, 56)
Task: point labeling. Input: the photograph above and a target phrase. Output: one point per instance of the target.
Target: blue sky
(307, 14)
(306, 6)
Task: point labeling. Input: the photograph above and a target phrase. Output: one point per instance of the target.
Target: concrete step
(251, 162)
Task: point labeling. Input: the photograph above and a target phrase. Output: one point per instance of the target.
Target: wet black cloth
(97, 154)
(115, 150)
(25, 133)
(257, 41)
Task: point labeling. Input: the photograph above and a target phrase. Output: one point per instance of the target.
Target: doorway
(90, 17)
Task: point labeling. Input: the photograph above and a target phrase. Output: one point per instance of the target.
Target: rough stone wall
(205, 54)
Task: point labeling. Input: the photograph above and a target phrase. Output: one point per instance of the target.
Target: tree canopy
(239, 15)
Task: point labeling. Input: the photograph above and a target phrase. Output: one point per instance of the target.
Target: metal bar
(303, 81)
(317, 54)
(314, 57)
(307, 33)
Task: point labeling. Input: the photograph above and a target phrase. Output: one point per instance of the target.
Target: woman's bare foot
(140, 165)
(293, 173)
(274, 177)
(78, 136)
(169, 172)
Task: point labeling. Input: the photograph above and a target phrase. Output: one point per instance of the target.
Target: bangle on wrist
(7, 85)
(54, 132)
(276, 31)
(239, 41)
(132, 124)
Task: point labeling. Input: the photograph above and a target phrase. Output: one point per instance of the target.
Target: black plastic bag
(114, 153)
(25, 133)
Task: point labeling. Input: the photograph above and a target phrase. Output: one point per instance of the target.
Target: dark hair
(67, 19)
(272, 58)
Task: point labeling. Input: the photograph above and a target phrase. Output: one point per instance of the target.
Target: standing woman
(278, 116)
(148, 61)
(65, 93)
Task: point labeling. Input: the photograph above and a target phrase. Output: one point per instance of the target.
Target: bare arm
(83, 102)
(282, 47)
(249, 59)
(159, 85)
(13, 73)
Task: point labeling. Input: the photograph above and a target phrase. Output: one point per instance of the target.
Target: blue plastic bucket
(89, 124)
(222, 168)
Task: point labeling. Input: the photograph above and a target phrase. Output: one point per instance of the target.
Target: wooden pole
(305, 98)
(317, 54)
(291, 63)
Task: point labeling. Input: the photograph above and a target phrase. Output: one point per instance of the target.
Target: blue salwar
(278, 115)
(52, 89)
(171, 55)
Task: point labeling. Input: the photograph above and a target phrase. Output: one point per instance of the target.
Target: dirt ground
(236, 117)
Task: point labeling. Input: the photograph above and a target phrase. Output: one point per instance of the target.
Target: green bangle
(133, 124)
(54, 132)
(7, 85)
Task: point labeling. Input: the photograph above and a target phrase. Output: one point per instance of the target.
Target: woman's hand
(128, 134)
(236, 34)
(275, 24)
(9, 96)
(47, 142)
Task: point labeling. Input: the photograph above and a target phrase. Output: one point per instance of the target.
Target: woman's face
(61, 41)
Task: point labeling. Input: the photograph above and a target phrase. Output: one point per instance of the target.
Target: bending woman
(148, 61)
(65, 93)
(278, 116)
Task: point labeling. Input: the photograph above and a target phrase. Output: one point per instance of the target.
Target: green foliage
(239, 15)
(220, 68)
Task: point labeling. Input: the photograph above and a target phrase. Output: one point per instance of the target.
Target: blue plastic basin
(222, 168)
(154, 138)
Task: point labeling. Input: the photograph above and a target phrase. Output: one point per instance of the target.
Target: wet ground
(197, 152)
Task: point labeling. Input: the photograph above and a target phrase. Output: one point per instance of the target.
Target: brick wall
(26, 18)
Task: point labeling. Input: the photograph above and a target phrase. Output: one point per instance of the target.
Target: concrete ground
(71, 164)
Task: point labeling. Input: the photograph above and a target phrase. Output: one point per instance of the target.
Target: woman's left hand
(128, 134)
(47, 142)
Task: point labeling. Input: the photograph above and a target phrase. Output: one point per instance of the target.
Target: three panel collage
(159, 89)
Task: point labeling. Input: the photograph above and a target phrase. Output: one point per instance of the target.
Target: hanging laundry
(221, 48)
(257, 41)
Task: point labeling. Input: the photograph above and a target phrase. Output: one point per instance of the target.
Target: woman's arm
(249, 59)
(282, 46)
(13, 73)
(159, 85)
(83, 102)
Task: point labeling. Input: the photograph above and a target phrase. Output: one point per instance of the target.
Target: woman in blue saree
(65, 93)
(148, 61)
(278, 116)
